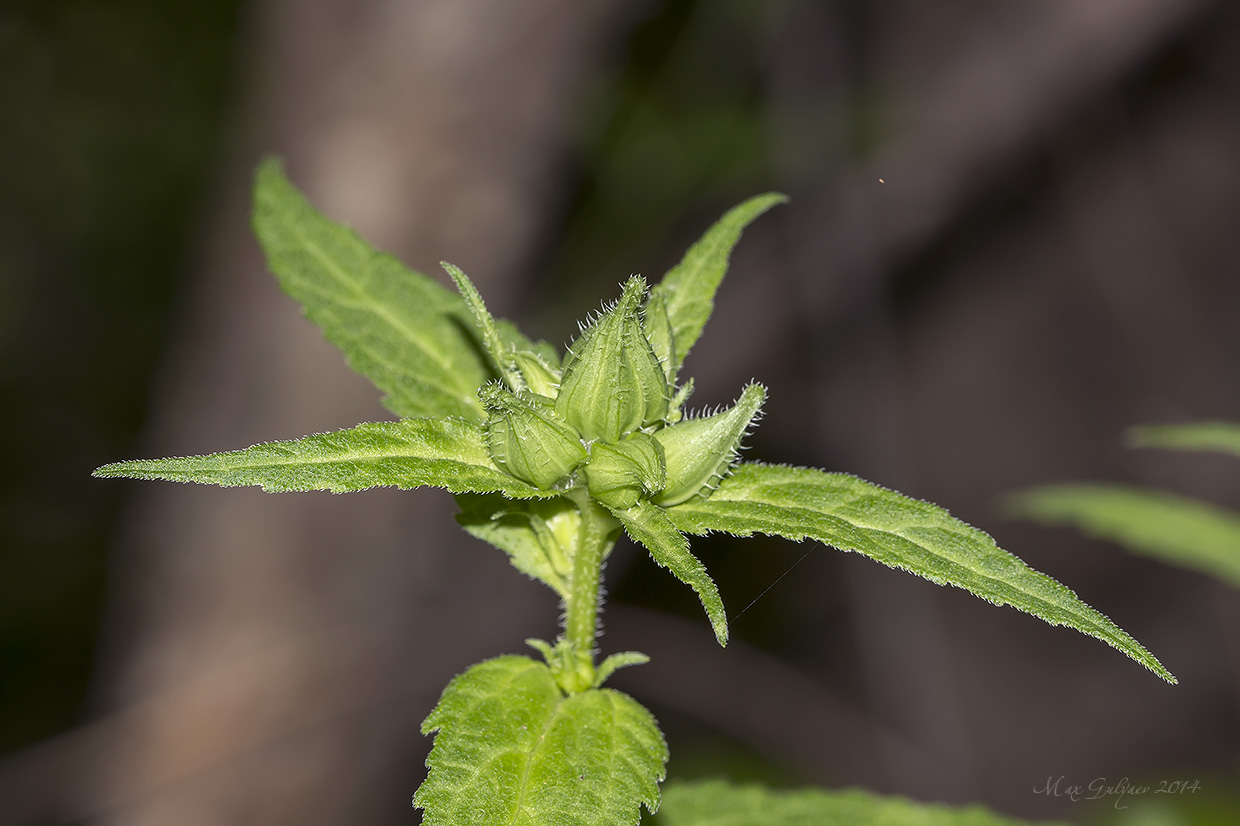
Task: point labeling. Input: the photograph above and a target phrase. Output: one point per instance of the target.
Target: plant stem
(594, 540)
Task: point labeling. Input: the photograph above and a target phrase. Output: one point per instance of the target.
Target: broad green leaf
(536, 535)
(648, 525)
(1185, 532)
(411, 453)
(1223, 437)
(400, 329)
(688, 289)
(854, 515)
(512, 750)
(716, 803)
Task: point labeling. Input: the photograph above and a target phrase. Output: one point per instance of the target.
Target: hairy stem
(594, 540)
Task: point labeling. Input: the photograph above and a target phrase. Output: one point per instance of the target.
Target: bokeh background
(1012, 234)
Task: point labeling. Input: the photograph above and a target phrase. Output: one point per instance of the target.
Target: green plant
(1175, 529)
(551, 459)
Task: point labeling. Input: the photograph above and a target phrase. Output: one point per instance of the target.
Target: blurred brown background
(1013, 233)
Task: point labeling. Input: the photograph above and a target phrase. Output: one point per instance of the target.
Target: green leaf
(512, 750)
(411, 453)
(688, 289)
(1180, 531)
(853, 515)
(716, 803)
(649, 526)
(400, 329)
(1217, 436)
(537, 535)
(492, 341)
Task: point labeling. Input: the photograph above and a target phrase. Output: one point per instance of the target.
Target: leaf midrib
(365, 300)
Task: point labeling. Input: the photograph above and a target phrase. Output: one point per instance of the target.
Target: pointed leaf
(1180, 531)
(853, 515)
(398, 328)
(1223, 437)
(688, 289)
(536, 534)
(511, 749)
(411, 453)
(717, 803)
(492, 341)
(648, 525)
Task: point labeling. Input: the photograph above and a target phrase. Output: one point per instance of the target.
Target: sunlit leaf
(512, 749)
(1174, 529)
(853, 515)
(411, 453)
(400, 329)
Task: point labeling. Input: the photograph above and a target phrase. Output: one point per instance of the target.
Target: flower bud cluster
(608, 419)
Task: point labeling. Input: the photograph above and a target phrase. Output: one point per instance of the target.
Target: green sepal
(613, 383)
(924, 539)
(649, 526)
(658, 328)
(411, 453)
(538, 535)
(618, 474)
(400, 329)
(526, 438)
(495, 346)
(698, 452)
(688, 289)
(511, 748)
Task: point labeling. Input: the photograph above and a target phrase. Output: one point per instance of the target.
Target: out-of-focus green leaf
(1174, 529)
(649, 526)
(854, 515)
(687, 291)
(716, 803)
(512, 749)
(411, 453)
(398, 328)
(1223, 437)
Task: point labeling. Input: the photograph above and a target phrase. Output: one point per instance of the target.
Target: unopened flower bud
(540, 376)
(617, 475)
(697, 452)
(526, 439)
(613, 383)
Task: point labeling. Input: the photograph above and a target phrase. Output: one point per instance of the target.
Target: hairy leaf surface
(649, 526)
(1181, 531)
(1223, 437)
(400, 329)
(688, 289)
(411, 453)
(533, 534)
(716, 803)
(854, 515)
(512, 750)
